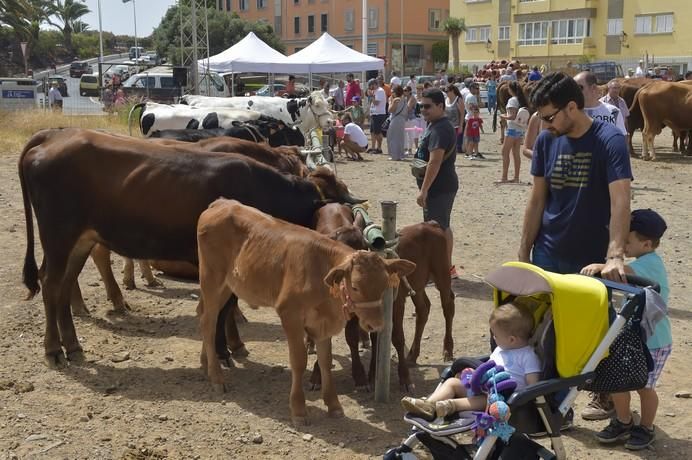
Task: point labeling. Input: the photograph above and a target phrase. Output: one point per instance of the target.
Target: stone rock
(307, 437)
(683, 394)
(257, 439)
(83, 418)
(163, 417)
(23, 387)
(36, 437)
(120, 357)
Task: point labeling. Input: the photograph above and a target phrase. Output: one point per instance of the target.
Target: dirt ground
(142, 394)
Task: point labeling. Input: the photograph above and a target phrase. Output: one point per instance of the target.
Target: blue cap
(648, 223)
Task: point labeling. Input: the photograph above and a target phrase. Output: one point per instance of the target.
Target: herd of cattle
(230, 210)
(653, 105)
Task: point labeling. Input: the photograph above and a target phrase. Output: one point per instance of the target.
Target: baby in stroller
(511, 326)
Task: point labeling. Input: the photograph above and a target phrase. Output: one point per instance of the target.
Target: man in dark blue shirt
(579, 208)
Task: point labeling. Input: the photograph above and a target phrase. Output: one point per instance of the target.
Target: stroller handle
(632, 280)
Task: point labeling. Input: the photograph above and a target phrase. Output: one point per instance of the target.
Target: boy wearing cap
(646, 229)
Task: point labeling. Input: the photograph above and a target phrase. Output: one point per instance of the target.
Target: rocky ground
(142, 395)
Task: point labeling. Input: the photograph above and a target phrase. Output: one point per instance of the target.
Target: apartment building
(555, 32)
(413, 25)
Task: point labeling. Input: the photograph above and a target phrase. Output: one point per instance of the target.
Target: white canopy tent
(327, 54)
(250, 54)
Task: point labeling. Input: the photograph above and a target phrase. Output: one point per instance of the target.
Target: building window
(533, 33)
(413, 56)
(349, 20)
(664, 23)
(277, 25)
(296, 2)
(261, 4)
(642, 24)
(372, 18)
(311, 24)
(569, 31)
(503, 33)
(296, 25)
(614, 26)
(243, 5)
(228, 5)
(324, 23)
(478, 34)
(372, 49)
(434, 19)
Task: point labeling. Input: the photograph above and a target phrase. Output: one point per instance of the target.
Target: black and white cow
(305, 113)
(275, 133)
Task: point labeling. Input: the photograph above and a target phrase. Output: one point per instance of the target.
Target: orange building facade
(300, 22)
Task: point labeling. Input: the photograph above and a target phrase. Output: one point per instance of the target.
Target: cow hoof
(335, 413)
(76, 357)
(447, 356)
(300, 421)
(219, 388)
(154, 282)
(408, 388)
(129, 284)
(55, 361)
(80, 310)
(240, 352)
(366, 388)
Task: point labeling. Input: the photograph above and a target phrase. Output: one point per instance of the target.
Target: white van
(162, 78)
(18, 93)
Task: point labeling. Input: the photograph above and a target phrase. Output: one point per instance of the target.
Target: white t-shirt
(464, 92)
(518, 362)
(607, 113)
(379, 109)
(395, 81)
(521, 121)
(469, 101)
(356, 134)
(639, 72)
(414, 89)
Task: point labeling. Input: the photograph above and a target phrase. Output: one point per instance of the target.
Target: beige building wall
(555, 32)
(420, 21)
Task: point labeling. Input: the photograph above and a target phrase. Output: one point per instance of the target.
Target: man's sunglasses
(426, 106)
(550, 118)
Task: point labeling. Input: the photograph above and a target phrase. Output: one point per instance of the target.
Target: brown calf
(316, 284)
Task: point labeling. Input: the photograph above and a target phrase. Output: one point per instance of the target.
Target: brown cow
(139, 199)
(316, 284)
(424, 244)
(284, 159)
(663, 104)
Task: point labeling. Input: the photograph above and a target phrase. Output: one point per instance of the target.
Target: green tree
(14, 13)
(225, 30)
(64, 15)
(440, 52)
(454, 27)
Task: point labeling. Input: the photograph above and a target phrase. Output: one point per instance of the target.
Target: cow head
(360, 282)
(330, 188)
(319, 107)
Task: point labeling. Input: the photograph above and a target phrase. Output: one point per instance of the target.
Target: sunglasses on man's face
(426, 106)
(550, 118)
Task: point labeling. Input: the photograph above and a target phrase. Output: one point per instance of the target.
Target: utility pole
(194, 41)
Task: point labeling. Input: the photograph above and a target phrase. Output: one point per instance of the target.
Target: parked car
(136, 51)
(154, 58)
(62, 84)
(89, 85)
(79, 68)
(280, 90)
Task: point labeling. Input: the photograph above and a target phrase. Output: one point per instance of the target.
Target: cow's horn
(350, 199)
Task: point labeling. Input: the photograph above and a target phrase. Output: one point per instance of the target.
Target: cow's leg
(399, 340)
(151, 280)
(298, 356)
(101, 256)
(129, 274)
(233, 340)
(324, 356)
(353, 335)
(79, 308)
(422, 303)
(444, 285)
(208, 310)
(676, 136)
(53, 270)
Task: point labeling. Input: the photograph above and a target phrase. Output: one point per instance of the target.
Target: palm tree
(454, 27)
(67, 13)
(14, 13)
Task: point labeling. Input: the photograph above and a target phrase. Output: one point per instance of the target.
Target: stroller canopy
(579, 307)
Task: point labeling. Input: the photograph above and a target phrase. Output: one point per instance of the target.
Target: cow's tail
(129, 116)
(30, 271)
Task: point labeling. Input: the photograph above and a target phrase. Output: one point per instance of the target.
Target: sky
(117, 17)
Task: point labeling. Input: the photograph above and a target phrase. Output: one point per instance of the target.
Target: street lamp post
(100, 34)
(134, 13)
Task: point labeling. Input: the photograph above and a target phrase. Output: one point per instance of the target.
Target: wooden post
(384, 338)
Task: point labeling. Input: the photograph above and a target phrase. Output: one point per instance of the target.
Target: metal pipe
(372, 232)
(384, 338)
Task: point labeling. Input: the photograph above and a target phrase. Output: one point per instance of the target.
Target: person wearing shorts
(474, 126)
(438, 187)
(378, 114)
(646, 229)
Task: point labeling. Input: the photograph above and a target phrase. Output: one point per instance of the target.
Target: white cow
(156, 117)
(305, 113)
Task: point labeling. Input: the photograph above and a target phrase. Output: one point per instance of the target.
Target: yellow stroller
(576, 326)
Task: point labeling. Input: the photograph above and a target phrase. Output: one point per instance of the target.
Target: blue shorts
(515, 133)
(473, 139)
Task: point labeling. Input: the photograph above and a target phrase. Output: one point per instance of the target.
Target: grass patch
(17, 127)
